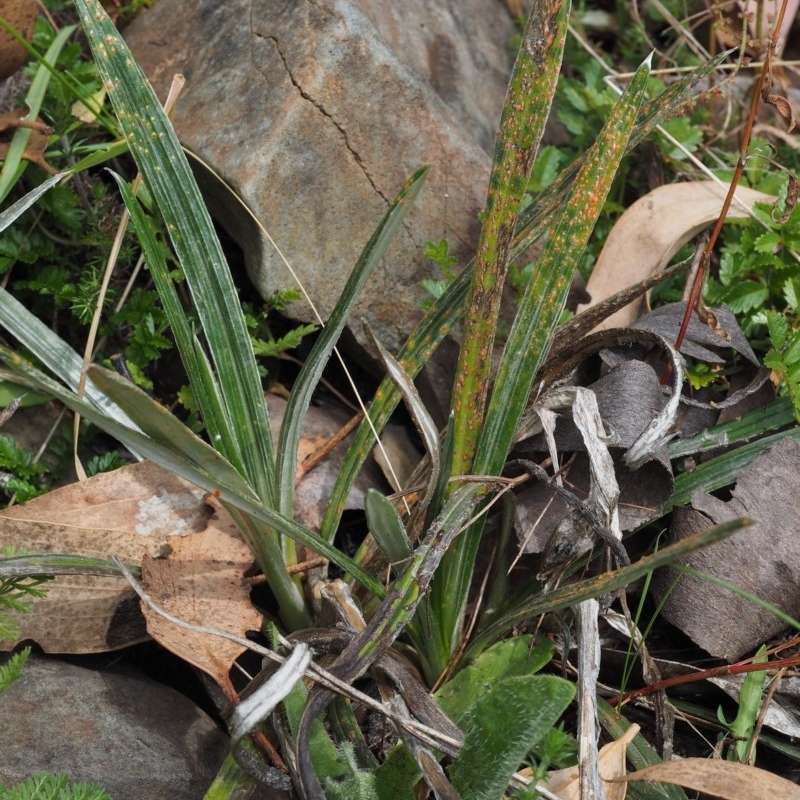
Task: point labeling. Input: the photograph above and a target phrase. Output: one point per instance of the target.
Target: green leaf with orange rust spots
(527, 106)
(543, 302)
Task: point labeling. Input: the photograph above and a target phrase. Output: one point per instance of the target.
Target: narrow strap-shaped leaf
(723, 470)
(209, 471)
(59, 564)
(163, 165)
(422, 419)
(447, 310)
(574, 593)
(317, 360)
(416, 352)
(525, 112)
(53, 352)
(543, 302)
(386, 527)
(17, 209)
(531, 333)
(14, 165)
(203, 381)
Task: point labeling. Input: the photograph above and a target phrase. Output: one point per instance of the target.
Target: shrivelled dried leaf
(21, 15)
(128, 513)
(763, 559)
(37, 142)
(699, 339)
(201, 581)
(566, 783)
(783, 107)
(628, 398)
(729, 780)
(651, 231)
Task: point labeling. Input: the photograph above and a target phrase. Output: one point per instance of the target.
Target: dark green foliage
(105, 462)
(52, 787)
(20, 473)
(12, 669)
(16, 592)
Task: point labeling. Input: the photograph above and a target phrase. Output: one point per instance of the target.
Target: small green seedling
(742, 728)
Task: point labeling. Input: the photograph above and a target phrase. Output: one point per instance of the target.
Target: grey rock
(317, 112)
(133, 736)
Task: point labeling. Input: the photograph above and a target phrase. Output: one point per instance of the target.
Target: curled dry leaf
(728, 780)
(37, 141)
(566, 783)
(128, 513)
(201, 581)
(784, 108)
(21, 15)
(701, 342)
(652, 230)
(629, 398)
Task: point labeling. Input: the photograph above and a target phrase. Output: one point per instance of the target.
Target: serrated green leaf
(767, 242)
(791, 352)
(774, 360)
(502, 727)
(791, 293)
(746, 295)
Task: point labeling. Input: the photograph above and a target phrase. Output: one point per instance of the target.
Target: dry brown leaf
(38, 139)
(784, 108)
(725, 779)
(128, 513)
(566, 783)
(201, 581)
(21, 15)
(649, 234)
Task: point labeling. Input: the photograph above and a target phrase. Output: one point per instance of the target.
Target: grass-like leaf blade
(165, 169)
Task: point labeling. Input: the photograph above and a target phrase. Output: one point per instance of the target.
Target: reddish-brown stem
(716, 672)
(748, 131)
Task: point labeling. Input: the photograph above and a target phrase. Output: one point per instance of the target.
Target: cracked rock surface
(317, 112)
